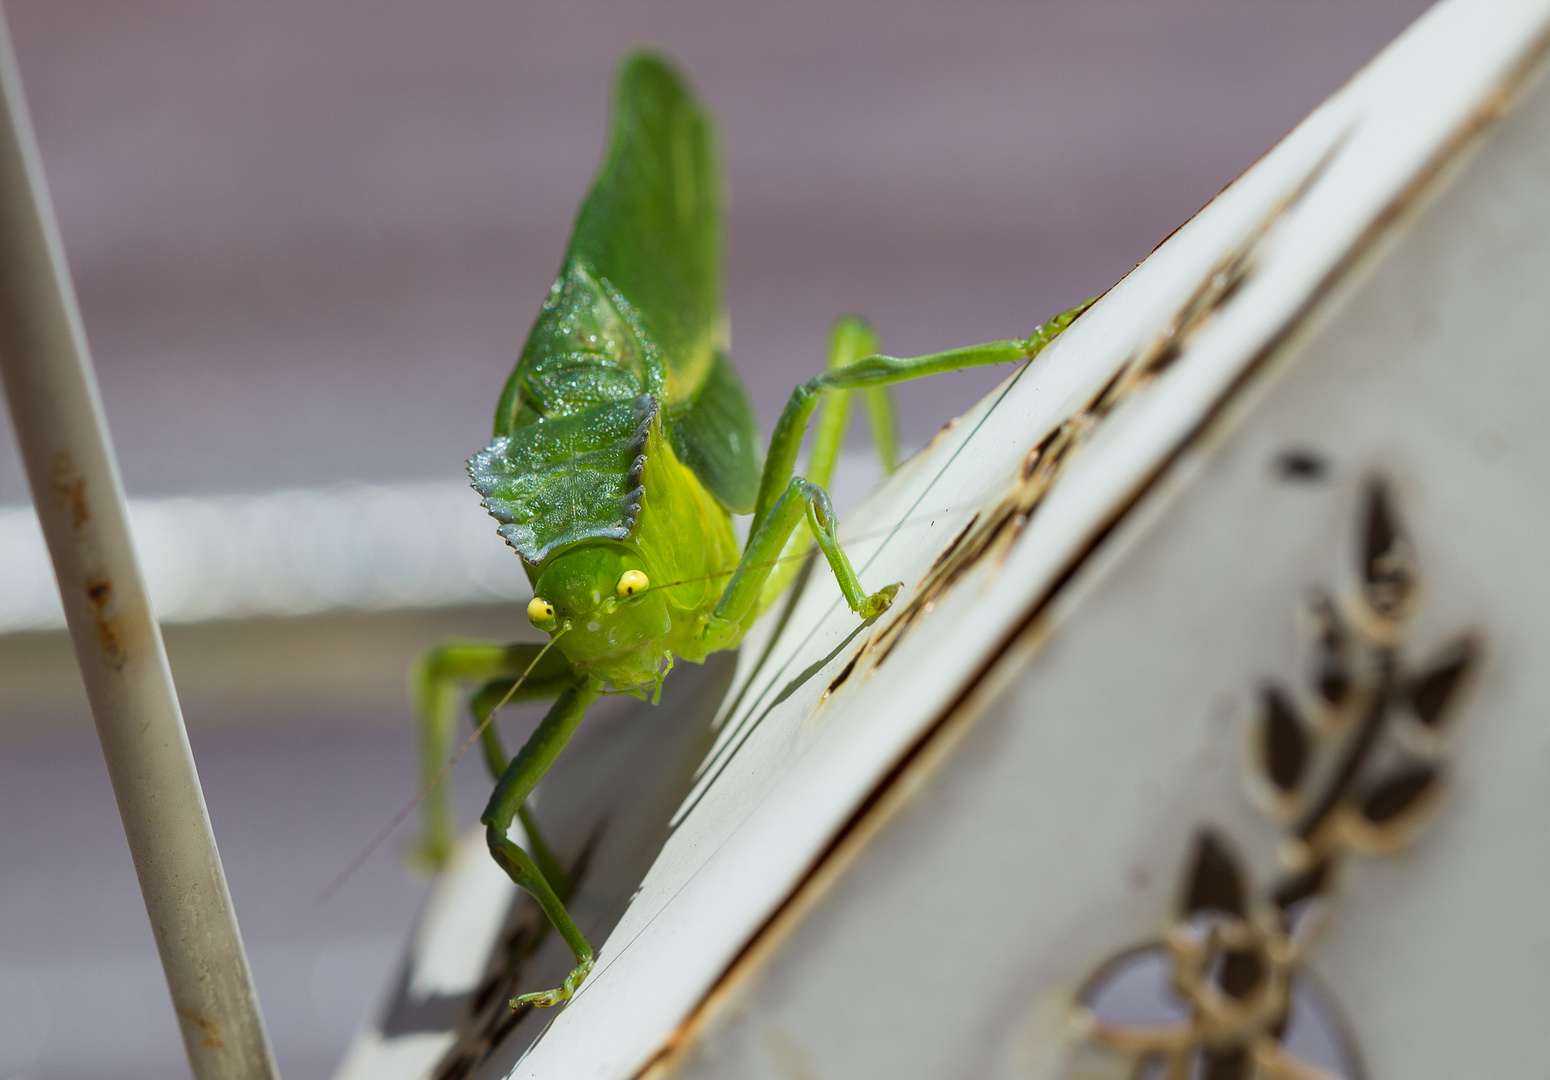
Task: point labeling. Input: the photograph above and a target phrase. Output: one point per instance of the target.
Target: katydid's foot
(545, 999)
(879, 601)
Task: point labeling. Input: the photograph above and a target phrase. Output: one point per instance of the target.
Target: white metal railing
(301, 551)
(295, 552)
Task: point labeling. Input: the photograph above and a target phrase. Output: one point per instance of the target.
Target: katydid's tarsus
(623, 445)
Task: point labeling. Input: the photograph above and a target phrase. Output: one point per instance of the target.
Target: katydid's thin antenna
(398, 818)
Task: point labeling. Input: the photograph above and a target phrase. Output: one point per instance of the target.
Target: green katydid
(623, 445)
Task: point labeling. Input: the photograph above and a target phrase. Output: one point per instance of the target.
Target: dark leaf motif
(1331, 672)
(1429, 693)
(1388, 576)
(1215, 882)
(1402, 790)
(1283, 741)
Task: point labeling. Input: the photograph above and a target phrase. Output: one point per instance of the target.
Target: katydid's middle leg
(522, 773)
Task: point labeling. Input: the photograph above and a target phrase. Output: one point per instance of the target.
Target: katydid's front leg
(491, 696)
(800, 499)
(434, 687)
(516, 783)
(776, 509)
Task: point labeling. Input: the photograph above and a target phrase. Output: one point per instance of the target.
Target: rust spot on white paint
(210, 1029)
(99, 595)
(70, 486)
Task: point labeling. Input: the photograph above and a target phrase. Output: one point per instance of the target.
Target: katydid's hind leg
(851, 338)
(481, 704)
(517, 782)
(883, 420)
(434, 684)
(801, 499)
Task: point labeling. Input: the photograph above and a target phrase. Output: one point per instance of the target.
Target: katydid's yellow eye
(631, 582)
(540, 612)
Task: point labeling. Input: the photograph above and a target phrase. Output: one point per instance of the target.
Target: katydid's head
(597, 599)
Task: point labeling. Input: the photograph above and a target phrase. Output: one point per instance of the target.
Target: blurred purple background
(308, 239)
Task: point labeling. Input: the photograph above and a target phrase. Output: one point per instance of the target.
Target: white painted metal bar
(54, 403)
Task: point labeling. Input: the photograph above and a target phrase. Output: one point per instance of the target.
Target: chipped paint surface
(99, 594)
(70, 487)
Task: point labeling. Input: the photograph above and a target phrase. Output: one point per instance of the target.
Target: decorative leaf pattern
(1398, 794)
(1283, 742)
(1357, 779)
(1332, 674)
(1431, 692)
(1215, 883)
(1387, 569)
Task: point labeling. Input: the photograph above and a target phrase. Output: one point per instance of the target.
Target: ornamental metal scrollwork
(1351, 766)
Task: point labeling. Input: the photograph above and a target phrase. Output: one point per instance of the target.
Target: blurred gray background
(308, 239)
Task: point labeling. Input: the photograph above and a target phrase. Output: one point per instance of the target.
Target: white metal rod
(52, 392)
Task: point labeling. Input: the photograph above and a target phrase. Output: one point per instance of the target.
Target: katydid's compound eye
(540, 612)
(632, 582)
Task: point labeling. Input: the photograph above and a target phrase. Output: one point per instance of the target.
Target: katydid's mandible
(624, 443)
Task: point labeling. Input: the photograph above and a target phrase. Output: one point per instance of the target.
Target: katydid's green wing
(637, 305)
(714, 433)
(652, 228)
(651, 225)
